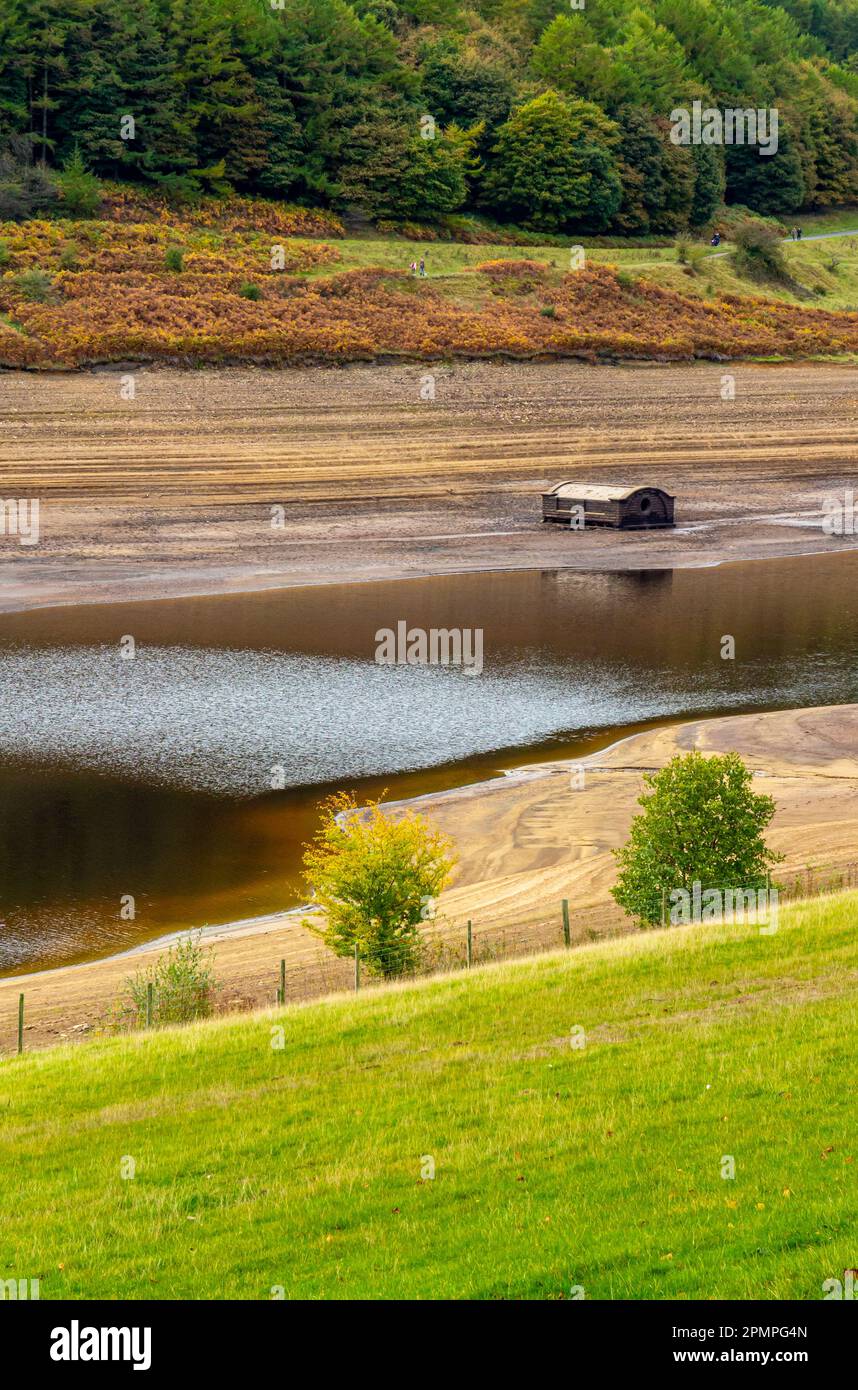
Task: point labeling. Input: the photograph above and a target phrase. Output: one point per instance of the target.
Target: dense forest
(546, 113)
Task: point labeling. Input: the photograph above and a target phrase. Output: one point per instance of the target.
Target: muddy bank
(244, 479)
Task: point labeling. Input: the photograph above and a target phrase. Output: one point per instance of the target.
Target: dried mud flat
(525, 842)
(172, 492)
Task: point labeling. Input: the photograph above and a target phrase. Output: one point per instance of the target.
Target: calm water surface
(153, 777)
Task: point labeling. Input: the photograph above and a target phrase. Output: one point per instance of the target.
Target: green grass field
(826, 270)
(555, 1166)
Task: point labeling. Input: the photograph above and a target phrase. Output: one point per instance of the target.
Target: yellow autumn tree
(374, 877)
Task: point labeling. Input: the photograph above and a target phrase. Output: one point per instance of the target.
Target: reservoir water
(188, 776)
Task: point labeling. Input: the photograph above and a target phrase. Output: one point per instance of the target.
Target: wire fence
(449, 948)
(444, 948)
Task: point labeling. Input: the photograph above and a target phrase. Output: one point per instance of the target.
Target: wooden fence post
(357, 967)
(567, 938)
(282, 994)
(20, 1024)
(663, 906)
(470, 945)
(150, 994)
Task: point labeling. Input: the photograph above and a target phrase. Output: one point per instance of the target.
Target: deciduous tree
(374, 876)
(701, 822)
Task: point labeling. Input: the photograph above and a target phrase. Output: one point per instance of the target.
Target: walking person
(422, 265)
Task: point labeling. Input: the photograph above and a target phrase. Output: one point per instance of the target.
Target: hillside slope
(249, 281)
(305, 1168)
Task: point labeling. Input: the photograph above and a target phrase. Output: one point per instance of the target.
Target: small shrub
(26, 189)
(759, 251)
(69, 256)
(249, 291)
(548, 311)
(36, 285)
(174, 258)
(5, 255)
(179, 190)
(696, 257)
(80, 191)
(182, 982)
(690, 254)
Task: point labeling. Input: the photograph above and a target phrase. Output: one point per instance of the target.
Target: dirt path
(172, 493)
(525, 843)
(730, 251)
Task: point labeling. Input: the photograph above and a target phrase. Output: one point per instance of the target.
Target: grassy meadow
(306, 1168)
(828, 270)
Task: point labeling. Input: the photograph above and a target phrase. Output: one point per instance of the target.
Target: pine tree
(162, 141)
(91, 90)
(43, 64)
(14, 23)
(640, 157)
(281, 172)
(770, 184)
(337, 70)
(708, 184)
(220, 106)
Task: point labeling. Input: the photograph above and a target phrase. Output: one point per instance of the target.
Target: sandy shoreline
(525, 841)
(172, 494)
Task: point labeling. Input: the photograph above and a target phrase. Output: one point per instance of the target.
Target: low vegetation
(238, 280)
(178, 988)
(576, 1114)
(759, 252)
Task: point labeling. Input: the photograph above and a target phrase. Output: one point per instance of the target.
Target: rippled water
(229, 722)
(154, 776)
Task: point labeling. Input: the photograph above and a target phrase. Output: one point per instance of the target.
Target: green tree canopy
(276, 96)
(701, 822)
(552, 166)
(394, 173)
(568, 57)
(770, 184)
